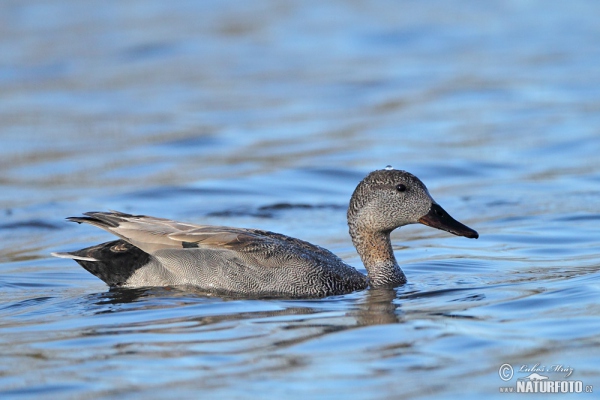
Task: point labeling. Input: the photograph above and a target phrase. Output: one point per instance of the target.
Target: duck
(221, 260)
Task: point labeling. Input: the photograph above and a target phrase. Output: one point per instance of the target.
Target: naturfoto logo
(538, 378)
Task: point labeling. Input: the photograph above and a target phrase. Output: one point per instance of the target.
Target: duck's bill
(438, 218)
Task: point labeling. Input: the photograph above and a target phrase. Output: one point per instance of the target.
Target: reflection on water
(267, 115)
(376, 307)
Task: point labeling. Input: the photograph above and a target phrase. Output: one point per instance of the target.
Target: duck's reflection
(274, 331)
(371, 307)
(379, 308)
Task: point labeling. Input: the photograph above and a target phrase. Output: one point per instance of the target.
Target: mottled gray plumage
(376, 209)
(251, 262)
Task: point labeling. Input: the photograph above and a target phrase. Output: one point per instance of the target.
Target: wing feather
(151, 234)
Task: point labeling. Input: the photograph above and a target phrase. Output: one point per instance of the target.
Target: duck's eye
(401, 187)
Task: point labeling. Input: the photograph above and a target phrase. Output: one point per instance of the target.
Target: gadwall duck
(256, 263)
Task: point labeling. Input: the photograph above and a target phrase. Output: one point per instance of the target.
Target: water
(267, 115)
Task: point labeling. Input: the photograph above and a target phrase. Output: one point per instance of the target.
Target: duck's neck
(375, 250)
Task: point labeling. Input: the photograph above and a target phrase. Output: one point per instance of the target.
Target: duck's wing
(147, 233)
(208, 236)
(151, 234)
(242, 240)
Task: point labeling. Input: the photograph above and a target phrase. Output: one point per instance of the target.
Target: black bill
(438, 218)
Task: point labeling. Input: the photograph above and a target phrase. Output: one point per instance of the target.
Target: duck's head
(389, 198)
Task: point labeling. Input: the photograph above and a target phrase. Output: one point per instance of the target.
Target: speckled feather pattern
(160, 252)
(376, 209)
(277, 265)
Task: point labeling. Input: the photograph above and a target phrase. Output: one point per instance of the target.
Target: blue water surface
(266, 114)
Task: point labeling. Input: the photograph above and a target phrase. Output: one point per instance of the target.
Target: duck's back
(259, 263)
(249, 262)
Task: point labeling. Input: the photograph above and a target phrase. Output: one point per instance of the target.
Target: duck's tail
(113, 262)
